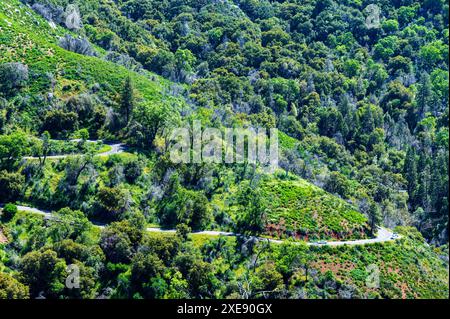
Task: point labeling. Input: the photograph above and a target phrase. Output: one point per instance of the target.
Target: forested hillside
(358, 93)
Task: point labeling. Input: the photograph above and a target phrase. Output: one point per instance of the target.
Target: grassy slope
(28, 38)
(297, 207)
(310, 211)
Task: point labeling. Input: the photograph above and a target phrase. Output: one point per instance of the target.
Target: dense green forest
(90, 91)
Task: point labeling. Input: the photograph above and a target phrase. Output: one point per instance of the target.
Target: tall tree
(424, 96)
(148, 121)
(410, 172)
(253, 208)
(373, 212)
(127, 100)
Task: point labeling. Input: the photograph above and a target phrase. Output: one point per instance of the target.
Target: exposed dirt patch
(336, 268)
(3, 239)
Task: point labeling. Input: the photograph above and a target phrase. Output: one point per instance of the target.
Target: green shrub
(8, 212)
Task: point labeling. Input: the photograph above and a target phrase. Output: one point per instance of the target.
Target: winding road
(383, 234)
(115, 149)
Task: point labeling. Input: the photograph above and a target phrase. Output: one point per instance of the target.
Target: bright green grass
(105, 148)
(301, 209)
(310, 211)
(287, 142)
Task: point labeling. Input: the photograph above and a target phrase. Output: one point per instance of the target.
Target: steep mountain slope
(307, 210)
(295, 208)
(30, 39)
(362, 115)
(56, 73)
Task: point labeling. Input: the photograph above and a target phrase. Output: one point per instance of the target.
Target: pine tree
(424, 161)
(127, 99)
(348, 116)
(374, 215)
(424, 96)
(439, 181)
(423, 191)
(370, 208)
(410, 173)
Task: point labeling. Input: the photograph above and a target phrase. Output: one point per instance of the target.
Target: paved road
(383, 234)
(46, 213)
(115, 149)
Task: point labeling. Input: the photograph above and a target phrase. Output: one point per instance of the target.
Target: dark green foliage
(11, 288)
(252, 209)
(13, 76)
(127, 100)
(111, 204)
(148, 121)
(133, 170)
(58, 121)
(43, 272)
(11, 186)
(8, 212)
(119, 241)
(184, 206)
(144, 269)
(410, 171)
